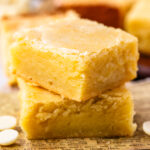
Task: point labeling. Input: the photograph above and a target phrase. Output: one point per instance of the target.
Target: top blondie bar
(76, 58)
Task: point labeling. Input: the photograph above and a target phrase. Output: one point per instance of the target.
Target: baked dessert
(83, 55)
(75, 58)
(47, 115)
(109, 12)
(137, 22)
(10, 25)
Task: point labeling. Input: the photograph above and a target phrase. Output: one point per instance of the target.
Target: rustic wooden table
(9, 104)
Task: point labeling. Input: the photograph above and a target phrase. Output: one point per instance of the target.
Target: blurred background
(125, 14)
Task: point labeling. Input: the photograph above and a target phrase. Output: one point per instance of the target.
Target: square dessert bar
(75, 58)
(47, 115)
(109, 12)
(10, 25)
(137, 22)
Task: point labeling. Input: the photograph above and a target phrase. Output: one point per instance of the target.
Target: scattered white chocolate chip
(8, 137)
(7, 122)
(146, 127)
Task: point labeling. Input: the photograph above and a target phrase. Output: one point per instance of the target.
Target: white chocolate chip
(8, 137)
(7, 122)
(146, 127)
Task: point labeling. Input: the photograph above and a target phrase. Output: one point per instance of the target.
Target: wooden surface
(9, 104)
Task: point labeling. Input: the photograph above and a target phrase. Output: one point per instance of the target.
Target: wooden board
(9, 104)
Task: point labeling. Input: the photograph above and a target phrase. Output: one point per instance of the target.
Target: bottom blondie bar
(47, 115)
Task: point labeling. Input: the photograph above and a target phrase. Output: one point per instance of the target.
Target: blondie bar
(47, 115)
(76, 58)
(137, 23)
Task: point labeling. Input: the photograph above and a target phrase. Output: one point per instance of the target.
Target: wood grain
(9, 104)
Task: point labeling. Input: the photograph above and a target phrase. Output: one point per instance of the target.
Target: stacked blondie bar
(72, 74)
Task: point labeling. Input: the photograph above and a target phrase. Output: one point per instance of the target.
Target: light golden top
(93, 2)
(72, 36)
